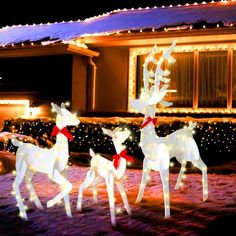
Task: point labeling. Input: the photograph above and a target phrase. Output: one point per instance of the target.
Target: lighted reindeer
(180, 143)
(31, 159)
(112, 172)
(157, 155)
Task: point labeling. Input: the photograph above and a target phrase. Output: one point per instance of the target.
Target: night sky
(29, 12)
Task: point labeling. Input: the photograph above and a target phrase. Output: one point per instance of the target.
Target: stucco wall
(112, 79)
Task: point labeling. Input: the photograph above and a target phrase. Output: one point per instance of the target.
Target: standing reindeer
(112, 172)
(157, 155)
(180, 143)
(31, 159)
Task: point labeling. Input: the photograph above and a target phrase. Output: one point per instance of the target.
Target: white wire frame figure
(181, 141)
(53, 162)
(112, 172)
(156, 153)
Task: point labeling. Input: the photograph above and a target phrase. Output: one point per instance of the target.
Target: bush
(216, 141)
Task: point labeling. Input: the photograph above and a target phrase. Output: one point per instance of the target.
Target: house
(96, 64)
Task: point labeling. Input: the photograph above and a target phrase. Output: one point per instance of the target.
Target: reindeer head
(64, 117)
(117, 134)
(152, 93)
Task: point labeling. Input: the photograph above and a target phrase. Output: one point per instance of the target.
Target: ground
(189, 214)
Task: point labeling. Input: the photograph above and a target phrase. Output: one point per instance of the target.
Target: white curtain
(181, 75)
(213, 73)
(234, 79)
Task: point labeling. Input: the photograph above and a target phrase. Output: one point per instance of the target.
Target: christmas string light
(219, 148)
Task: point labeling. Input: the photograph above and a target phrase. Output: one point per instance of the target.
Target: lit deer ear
(63, 105)
(109, 133)
(56, 108)
(139, 105)
(126, 134)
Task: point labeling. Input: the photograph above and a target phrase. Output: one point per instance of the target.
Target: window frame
(137, 51)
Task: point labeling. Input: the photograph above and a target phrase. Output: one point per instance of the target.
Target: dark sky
(23, 12)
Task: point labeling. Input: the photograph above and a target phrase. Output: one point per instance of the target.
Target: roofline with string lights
(80, 33)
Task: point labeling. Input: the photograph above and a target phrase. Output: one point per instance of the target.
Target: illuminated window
(213, 74)
(234, 79)
(208, 67)
(181, 78)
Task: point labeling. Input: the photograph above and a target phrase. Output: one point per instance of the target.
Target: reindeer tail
(192, 125)
(16, 142)
(189, 130)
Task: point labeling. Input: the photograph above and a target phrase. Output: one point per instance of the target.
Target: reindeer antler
(147, 75)
(160, 75)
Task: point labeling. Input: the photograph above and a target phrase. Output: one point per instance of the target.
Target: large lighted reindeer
(180, 143)
(31, 159)
(157, 155)
(112, 172)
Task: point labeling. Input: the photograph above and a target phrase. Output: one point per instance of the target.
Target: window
(181, 78)
(212, 79)
(234, 79)
(201, 77)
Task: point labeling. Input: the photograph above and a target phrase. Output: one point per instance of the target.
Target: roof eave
(40, 50)
(162, 37)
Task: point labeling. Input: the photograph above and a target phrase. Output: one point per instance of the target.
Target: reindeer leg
(90, 176)
(202, 166)
(65, 185)
(66, 197)
(146, 173)
(33, 195)
(97, 181)
(110, 191)
(122, 191)
(183, 165)
(165, 185)
(19, 178)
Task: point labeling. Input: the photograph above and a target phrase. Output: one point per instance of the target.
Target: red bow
(56, 131)
(149, 119)
(124, 155)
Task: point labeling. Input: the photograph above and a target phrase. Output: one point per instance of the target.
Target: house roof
(221, 13)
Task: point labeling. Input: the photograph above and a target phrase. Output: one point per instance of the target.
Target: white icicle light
(159, 150)
(31, 158)
(103, 169)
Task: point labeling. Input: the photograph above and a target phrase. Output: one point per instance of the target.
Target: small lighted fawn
(31, 159)
(112, 172)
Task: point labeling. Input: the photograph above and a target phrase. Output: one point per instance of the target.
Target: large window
(181, 78)
(234, 79)
(212, 79)
(200, 78)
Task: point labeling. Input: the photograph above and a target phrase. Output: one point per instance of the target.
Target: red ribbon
(149, 119)
(124, 155)
(56, 131)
